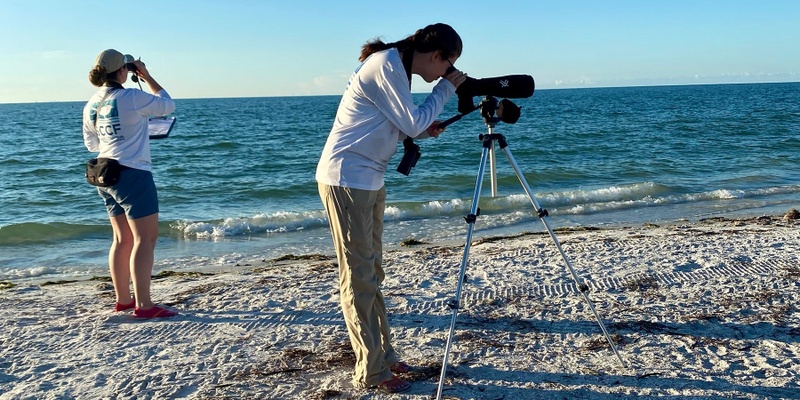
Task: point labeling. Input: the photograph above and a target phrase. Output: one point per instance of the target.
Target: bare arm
(144, 74)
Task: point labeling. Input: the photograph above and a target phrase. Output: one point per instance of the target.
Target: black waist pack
(103, 172)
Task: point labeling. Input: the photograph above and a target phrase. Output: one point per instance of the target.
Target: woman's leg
(350, 217)
(119, 257)
(145, 233)
(390, 356)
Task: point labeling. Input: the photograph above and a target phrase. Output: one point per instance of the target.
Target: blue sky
(238, 48)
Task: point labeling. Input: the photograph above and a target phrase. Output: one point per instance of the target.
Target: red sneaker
(154, 312)
(122, 307)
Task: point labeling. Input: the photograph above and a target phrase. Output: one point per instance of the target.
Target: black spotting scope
(509, 86)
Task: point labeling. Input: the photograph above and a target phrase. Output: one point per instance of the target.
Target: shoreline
(705, 309)
(408, 243)
(85, 259)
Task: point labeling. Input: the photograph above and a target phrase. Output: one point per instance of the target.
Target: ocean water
(236, 176)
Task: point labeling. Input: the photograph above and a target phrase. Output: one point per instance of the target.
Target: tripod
(488, 107)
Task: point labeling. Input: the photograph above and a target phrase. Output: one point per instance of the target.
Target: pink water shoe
(154, 312)
(122, 307)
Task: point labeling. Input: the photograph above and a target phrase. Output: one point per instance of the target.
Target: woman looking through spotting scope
(375, 113)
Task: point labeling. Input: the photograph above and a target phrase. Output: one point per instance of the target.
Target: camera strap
(408, 60)
(410, 150)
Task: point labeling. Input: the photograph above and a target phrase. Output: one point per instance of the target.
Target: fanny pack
(103, 172)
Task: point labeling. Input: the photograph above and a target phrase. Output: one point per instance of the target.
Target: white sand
(703, 310)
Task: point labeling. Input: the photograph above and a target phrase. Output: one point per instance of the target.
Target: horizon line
(546, 88)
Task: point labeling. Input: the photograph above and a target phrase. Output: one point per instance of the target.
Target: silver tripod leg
(584, 289)
(488, 148)
(454, 303)
(493, 167)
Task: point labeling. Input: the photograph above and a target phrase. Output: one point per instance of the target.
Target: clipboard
(160, 127)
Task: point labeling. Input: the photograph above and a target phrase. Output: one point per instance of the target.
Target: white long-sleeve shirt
(375, 110)
(120, 129)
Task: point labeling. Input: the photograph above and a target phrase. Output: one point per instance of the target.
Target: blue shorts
(135, 195)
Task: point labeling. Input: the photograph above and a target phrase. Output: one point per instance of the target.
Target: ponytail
(436, 37)
(98, 76)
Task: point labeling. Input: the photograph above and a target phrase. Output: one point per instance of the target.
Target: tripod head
(488, 107)
(492, 111)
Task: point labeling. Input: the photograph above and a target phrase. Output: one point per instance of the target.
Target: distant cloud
(324, 84)
(746, 77)
(582, 81)
(323, 81)
(730, 77)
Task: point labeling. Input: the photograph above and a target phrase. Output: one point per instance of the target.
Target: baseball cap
(110, 59)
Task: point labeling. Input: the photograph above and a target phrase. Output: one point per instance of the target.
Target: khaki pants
(356, 221)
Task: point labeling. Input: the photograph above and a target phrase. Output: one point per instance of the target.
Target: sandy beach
(703, 310)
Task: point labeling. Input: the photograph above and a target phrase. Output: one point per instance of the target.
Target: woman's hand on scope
(455, 77)
(434, 131)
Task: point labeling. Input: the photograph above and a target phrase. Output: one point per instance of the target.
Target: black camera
(129, 63)
(131, 67)
(411, 155)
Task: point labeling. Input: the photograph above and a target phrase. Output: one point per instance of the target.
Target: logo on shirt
(107, 123)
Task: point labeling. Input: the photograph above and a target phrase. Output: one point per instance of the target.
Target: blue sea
(236, 176)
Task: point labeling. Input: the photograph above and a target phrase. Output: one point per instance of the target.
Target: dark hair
(436, 37)
(98, 76)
